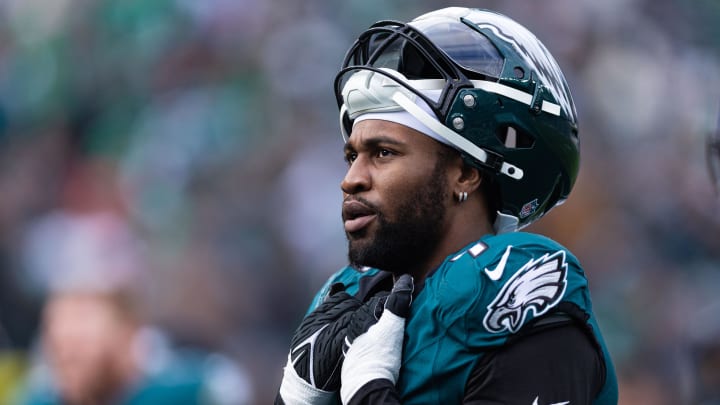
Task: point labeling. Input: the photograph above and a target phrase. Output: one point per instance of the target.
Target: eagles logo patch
(537, 286)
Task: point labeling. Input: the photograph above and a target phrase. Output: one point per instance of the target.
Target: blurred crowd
(169, 188)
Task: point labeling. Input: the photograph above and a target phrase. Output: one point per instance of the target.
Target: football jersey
(474, 302)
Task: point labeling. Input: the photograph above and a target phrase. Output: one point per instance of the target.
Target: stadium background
(207, 131)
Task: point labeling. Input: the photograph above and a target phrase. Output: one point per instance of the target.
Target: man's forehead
(375, 130)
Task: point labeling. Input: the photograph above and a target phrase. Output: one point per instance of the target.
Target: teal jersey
(474, 302)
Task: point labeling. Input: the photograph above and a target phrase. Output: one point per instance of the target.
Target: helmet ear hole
(519, 72)
(514, 138)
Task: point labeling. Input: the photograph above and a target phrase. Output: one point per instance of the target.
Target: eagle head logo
(537, 286)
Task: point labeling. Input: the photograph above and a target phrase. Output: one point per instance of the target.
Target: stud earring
(462, 196)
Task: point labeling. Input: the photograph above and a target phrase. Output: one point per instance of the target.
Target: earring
(462, 196)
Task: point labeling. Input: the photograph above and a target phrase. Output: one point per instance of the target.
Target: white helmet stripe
(490, 87)
(453, 138)
(515, 94)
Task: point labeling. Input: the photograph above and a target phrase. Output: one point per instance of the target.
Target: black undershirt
(549, 363)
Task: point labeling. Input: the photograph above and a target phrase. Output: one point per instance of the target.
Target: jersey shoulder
(515, 246)
(502, 282)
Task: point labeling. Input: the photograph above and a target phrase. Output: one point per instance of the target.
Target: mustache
(356, 206)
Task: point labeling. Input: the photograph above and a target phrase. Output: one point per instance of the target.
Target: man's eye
(350, 157)
(384, 153)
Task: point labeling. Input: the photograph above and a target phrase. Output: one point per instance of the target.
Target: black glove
(373, 346)
(315, 359)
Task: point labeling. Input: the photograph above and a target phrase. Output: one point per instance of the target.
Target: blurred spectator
(13, 366)
(96, 346)
(97, 352)
(704, 355)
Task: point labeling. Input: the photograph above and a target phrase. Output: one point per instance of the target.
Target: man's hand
(375, 337)
(312, 372)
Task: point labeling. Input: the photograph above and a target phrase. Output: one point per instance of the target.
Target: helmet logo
(536, 55)
(529, 208)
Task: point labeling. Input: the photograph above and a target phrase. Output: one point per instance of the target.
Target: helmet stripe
(453, 138)
(515, 94)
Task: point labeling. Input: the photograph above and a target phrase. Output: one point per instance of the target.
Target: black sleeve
(559, 362)
(551, 362)
(376, 392)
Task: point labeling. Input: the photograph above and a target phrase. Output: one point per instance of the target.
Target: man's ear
(469, 179)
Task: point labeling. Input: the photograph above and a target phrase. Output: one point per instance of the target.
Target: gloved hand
(375, 337)
(312, 373)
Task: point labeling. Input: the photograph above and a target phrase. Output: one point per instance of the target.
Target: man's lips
(356, 215)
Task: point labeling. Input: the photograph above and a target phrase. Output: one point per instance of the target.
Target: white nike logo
(500, 268)
(556, 403)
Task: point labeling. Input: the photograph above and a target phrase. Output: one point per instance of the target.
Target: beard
(405, 243)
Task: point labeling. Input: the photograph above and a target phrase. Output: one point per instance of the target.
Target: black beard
(403, 245)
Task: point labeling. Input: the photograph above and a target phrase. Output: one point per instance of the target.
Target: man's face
(395, 192)
(85, 339)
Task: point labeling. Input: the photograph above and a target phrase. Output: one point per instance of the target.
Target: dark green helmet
(487, 86)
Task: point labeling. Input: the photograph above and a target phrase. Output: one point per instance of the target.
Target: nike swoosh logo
(500, 268)
(556, 403)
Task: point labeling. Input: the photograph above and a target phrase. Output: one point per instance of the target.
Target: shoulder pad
(502, 282)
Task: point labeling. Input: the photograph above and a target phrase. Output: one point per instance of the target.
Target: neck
(465, 223)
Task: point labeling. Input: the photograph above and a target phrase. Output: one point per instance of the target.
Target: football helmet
(484, 85)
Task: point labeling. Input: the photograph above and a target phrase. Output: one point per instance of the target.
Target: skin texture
(400, 208)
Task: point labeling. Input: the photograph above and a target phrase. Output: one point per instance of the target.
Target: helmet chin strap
(451, 136)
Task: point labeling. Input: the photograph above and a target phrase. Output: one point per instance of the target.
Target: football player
(460, 130)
